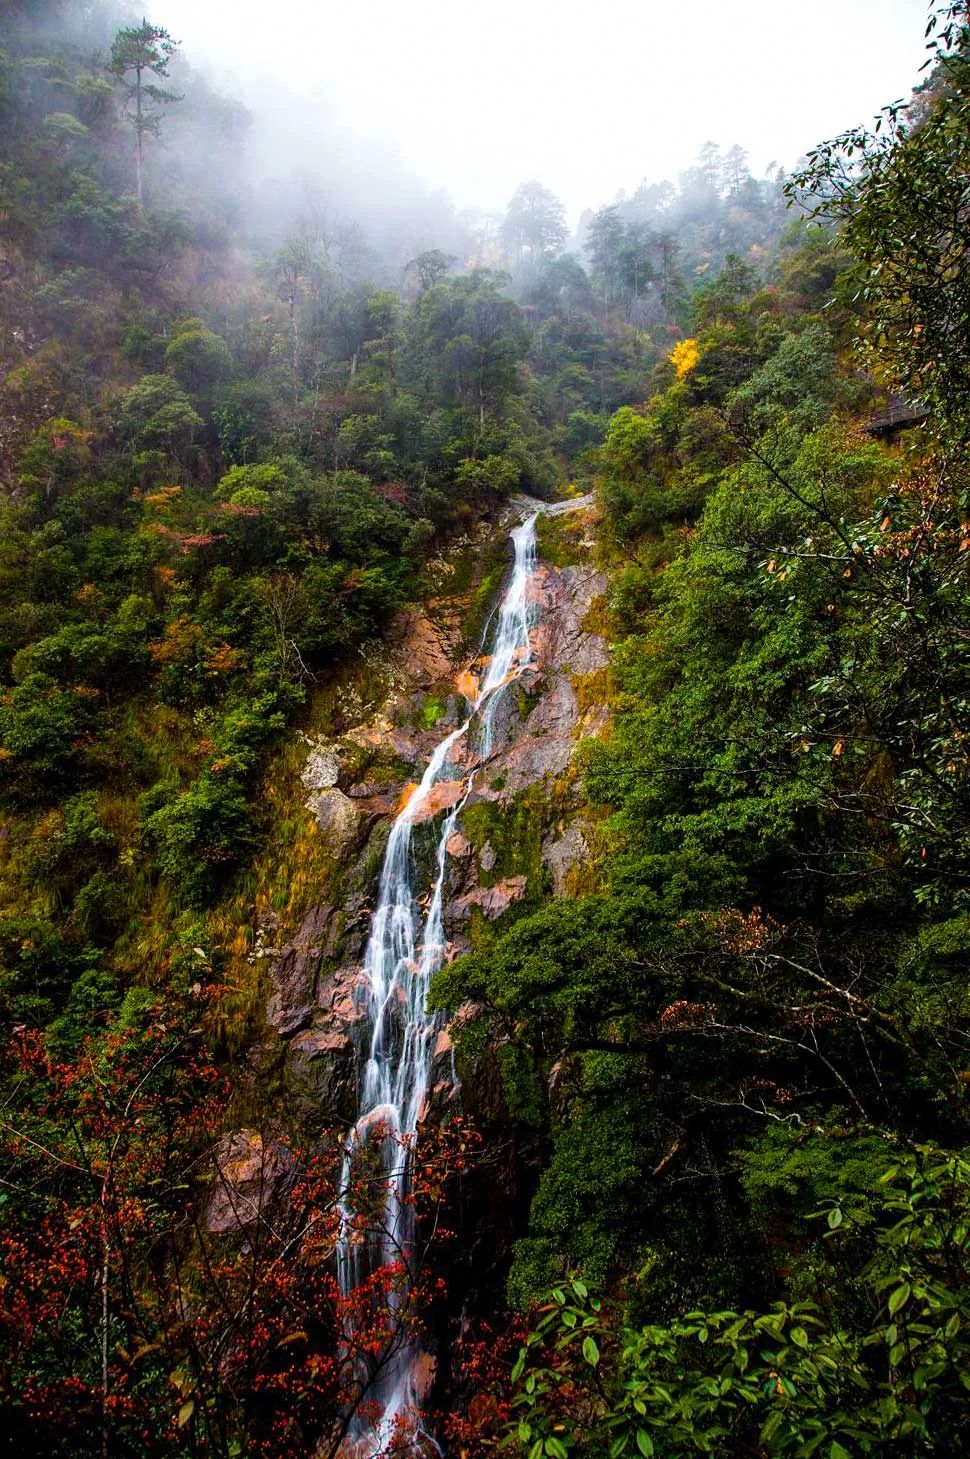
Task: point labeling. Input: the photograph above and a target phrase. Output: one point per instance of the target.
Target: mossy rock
(514, 831)
(562, 539)
(432, 710)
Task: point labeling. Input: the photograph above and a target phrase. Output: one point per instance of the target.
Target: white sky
(480, 95)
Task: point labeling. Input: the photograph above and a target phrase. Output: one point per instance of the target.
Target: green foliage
(156, 414)
(37, 968)
(199, 360)
(790, 1172)
(579, 1212)
(225, 473)
(792, 1380)
(139, 53)
(271, 479)
(535, 222)
(770, 974)
(479, 482)
(203, 832)
(799, 382)
(896, 192)
(41, 727)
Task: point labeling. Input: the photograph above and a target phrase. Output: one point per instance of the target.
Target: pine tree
(137, 53)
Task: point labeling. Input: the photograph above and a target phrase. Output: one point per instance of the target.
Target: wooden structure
(898, 414)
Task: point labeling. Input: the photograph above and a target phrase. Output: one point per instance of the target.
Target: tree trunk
(139, 142)
(295, 337)
(105, 1316)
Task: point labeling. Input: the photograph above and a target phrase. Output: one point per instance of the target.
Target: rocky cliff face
(521, 835)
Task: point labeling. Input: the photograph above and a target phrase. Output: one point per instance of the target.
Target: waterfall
(406, 947)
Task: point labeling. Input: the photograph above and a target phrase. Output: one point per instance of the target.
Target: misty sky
(479, 95)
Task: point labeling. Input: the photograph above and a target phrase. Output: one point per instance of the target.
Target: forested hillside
(712, 1167)
(756, 1028)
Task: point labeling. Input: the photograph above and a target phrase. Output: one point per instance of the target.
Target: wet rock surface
(320, 1072)
(417, 1446)
(535, 726)
(359, 781)
(519, 835)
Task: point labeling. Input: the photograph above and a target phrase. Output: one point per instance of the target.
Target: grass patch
(431, 711)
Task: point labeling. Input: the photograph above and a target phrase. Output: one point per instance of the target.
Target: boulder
(458, 846)
(322, 768)
(253, 1175)
(337, 817)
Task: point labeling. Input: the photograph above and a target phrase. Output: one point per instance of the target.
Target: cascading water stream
(406, 947)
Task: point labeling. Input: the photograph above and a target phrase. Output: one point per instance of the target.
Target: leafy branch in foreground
(887, 1372)
(167, 1289)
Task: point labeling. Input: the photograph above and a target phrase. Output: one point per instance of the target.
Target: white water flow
(405, 949)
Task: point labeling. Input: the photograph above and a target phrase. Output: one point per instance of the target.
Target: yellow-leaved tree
(684, 357)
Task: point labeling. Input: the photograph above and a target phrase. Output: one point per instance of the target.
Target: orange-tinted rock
(405, 796)
(492, 900)
(442, 796)
(425, 650)
(467, 683)
(252, 1174)
(443, 1044)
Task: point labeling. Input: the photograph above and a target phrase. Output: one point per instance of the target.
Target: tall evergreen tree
(138, 53)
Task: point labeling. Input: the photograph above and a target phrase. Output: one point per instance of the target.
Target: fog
(474, 98)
